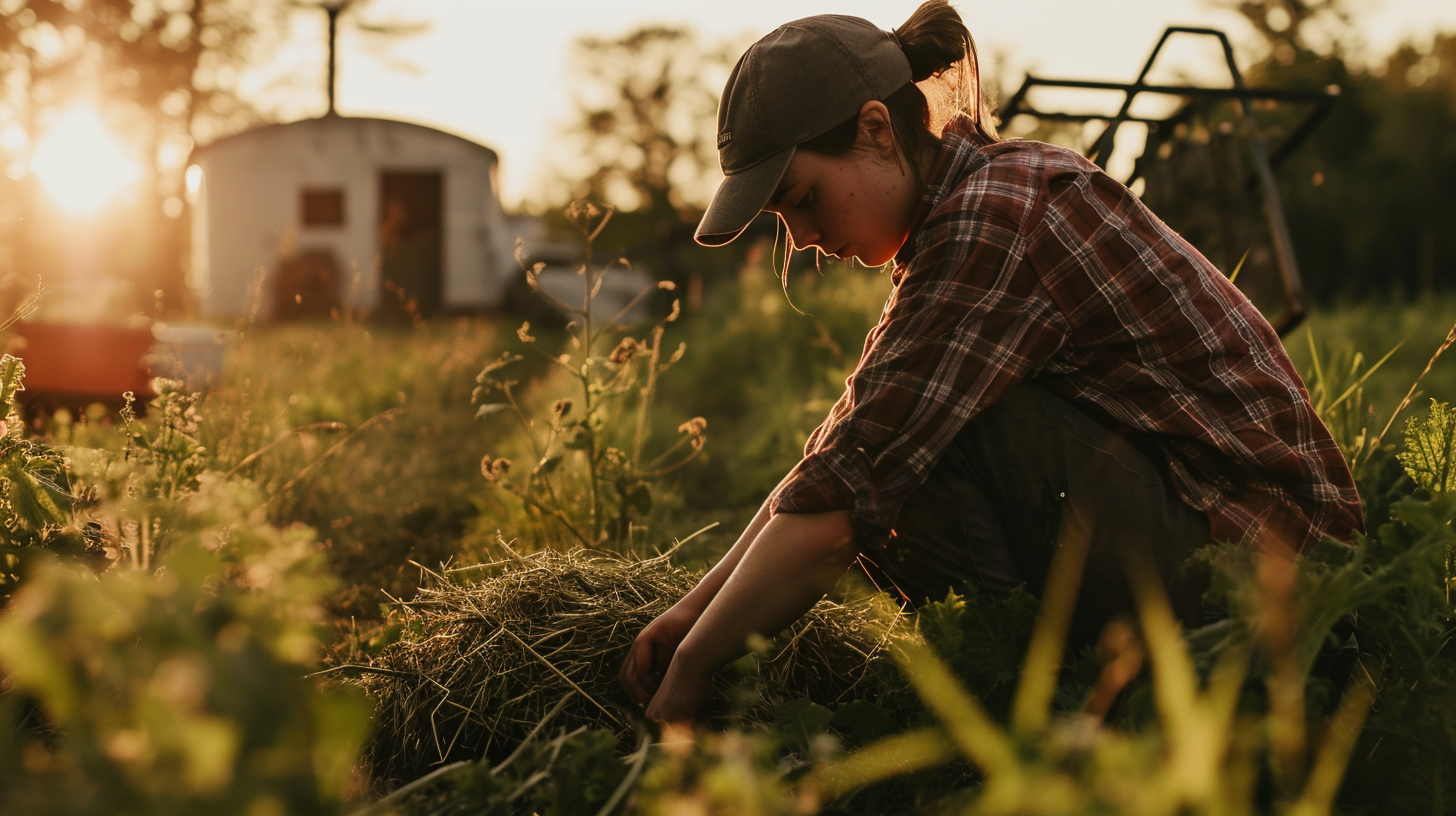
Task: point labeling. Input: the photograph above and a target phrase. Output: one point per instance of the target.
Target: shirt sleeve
(967, 320)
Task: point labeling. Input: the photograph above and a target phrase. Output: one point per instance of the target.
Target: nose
(802, 234)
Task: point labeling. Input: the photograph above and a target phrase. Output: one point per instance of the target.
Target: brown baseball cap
(798, 82)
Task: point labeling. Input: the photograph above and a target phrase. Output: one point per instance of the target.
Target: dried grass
(481, 662)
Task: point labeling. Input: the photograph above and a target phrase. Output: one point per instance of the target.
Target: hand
(681, 698)
(651, 653)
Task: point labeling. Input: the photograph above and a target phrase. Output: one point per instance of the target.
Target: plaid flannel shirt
(1030, 262)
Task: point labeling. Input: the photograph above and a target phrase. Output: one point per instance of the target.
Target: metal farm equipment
(1207, 171)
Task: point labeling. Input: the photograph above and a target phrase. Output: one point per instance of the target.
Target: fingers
(680, 700)
(661, 660)
(639, 676)
(627, 677)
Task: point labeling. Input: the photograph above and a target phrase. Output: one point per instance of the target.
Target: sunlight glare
(81, 164)
(13, 138)
(193, 178)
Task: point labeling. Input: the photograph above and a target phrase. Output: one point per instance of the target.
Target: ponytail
(937, 43)
(933, 39)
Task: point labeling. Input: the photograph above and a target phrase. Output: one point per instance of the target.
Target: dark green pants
(991, 510)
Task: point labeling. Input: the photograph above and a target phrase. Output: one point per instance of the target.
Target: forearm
(698, 599)
(792, 562)
(707, 588)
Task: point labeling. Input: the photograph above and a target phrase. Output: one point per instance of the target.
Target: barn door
(411, 244)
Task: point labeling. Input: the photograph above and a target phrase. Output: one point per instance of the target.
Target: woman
(1052, 357)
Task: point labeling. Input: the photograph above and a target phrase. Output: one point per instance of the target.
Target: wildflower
(493, 469)
(694, 429)
(625, 351)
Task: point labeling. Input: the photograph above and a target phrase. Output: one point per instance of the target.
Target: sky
(498, 71)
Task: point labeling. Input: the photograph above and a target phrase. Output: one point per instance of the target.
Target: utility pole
(333, 9)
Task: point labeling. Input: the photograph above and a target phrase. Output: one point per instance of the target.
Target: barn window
(323, 208)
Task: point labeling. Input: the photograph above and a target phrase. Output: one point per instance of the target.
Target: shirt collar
(960, 147)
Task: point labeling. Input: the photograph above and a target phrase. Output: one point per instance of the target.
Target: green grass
(357, 449)
(365, 434)
(1373, 328)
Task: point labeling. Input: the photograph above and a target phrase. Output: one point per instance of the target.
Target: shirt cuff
(832, 479)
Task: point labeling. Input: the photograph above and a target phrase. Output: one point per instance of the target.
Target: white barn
(298, 219)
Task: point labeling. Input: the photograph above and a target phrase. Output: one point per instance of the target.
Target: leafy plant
(176, 685)
(365, 433)
(1430, 449)
(1407, 752)
(161, 461)
(38, 505)
(605, 430)
(36, 497)
(1430, 459)
(1205, 755)
(179, 690)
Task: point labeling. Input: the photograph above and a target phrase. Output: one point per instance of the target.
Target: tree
(1367, 198)
(646, 136)
(648, 107)
(167, 72)
(1292, 29)
(174, 67)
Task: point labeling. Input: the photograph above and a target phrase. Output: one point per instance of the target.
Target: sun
(80, 164)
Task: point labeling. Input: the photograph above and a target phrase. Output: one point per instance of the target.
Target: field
(380, 570)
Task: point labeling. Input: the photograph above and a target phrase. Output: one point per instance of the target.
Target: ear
(875, 130)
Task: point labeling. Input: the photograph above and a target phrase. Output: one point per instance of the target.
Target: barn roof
(249, 134)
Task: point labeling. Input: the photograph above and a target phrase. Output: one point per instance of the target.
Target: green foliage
(179, 690)
(176, 685)
(1223, 741)
(157, 468)
(367, 434)
(1430, 449)
(38, 505)
(729, 773)
(984, 639)
(1429, 458)
(766, 367)
(1365, 198)
(139, 689)
(34, 495)
(166, 446)
(603, 431)
(1407, 753)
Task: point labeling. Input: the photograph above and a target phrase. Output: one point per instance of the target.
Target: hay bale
(480, 663)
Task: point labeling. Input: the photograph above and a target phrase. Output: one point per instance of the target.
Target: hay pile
(481, 663)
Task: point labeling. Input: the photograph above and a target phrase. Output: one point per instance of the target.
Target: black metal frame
(1264, 160)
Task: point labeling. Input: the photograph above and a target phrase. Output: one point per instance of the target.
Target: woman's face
(855, 205)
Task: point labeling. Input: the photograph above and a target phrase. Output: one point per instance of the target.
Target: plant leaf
(490, 409)
(547, 465)
(1429, 453)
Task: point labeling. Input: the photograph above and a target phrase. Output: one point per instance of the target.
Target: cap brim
(740, 198)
